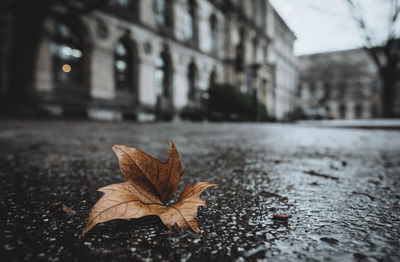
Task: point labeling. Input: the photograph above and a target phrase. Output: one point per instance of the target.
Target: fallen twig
(313, 173)
(270, 194)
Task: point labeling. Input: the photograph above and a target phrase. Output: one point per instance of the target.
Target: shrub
(227, 103)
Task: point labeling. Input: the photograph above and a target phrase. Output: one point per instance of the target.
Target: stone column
(102, 84)
(44, 70)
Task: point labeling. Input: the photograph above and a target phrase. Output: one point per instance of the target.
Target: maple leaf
(149, 184)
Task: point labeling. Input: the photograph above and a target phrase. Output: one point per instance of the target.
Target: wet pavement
(339, 187)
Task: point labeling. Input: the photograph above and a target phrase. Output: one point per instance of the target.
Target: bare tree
(384, 50)
(28, 18)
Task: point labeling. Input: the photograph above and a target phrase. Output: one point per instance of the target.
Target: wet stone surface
(261, 170)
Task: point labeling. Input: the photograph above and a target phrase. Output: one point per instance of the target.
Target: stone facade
(339, 85)
(150, 59)
(286, 66)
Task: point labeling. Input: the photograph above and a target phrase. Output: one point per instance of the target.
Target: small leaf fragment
(59, 206)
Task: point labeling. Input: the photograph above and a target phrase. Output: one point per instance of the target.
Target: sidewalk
(361, 123)
(339, 186)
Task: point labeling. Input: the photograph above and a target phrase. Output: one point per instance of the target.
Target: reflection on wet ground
(340, 188)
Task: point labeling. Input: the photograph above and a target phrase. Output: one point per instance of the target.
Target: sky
(327, 25)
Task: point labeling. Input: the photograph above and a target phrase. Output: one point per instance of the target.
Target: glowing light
(66, 68)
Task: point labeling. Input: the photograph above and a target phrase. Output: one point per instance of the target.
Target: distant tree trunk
(27, 32)
(385, 54)
(388, 80)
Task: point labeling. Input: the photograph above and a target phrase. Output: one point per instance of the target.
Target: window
(239, 65)
(264, 90)
(160, 10)
(255, 47)
(357, 91)
(374, 111)
(213, 78)
(163, 76)
(214, 34)
(374, 86)
(239, 59)
(342, 111)
(255, 9)
(299, 90)
(192, 77)
(191, 28)
(312, 91)
(67, 51)
(327, 93)
(265, 53)
(124, 66)
(163, 13)
(126, 9)
(358, 111)
(124, 4)
(263, 8)
(341, 91)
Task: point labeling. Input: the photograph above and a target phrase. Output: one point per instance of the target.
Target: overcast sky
(326, 25)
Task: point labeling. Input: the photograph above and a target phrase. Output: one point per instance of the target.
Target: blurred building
(340, 85)
(149, 59)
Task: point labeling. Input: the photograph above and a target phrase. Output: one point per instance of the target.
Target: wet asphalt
(339, 187)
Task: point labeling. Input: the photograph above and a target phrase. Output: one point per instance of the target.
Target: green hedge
(227, 103)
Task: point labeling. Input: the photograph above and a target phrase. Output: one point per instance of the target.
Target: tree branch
(354, 11)
(393, 19)
(381, 53)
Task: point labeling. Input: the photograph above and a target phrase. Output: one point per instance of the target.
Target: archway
(192, 83)
(163, 85)
(126, 71)
(68, 50)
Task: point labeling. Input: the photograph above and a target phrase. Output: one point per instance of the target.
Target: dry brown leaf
(149, 184)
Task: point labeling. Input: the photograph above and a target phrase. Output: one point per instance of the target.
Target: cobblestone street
(341, 187)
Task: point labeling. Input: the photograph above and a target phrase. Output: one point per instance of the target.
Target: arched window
(124, 67)
(191, 21)
(342, 111)
(192, 78)
(214, 34)
(163, 76)
(67, 52)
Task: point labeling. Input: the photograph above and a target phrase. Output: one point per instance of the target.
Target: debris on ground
(314, 173)
(281, 218)
(59, 208)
